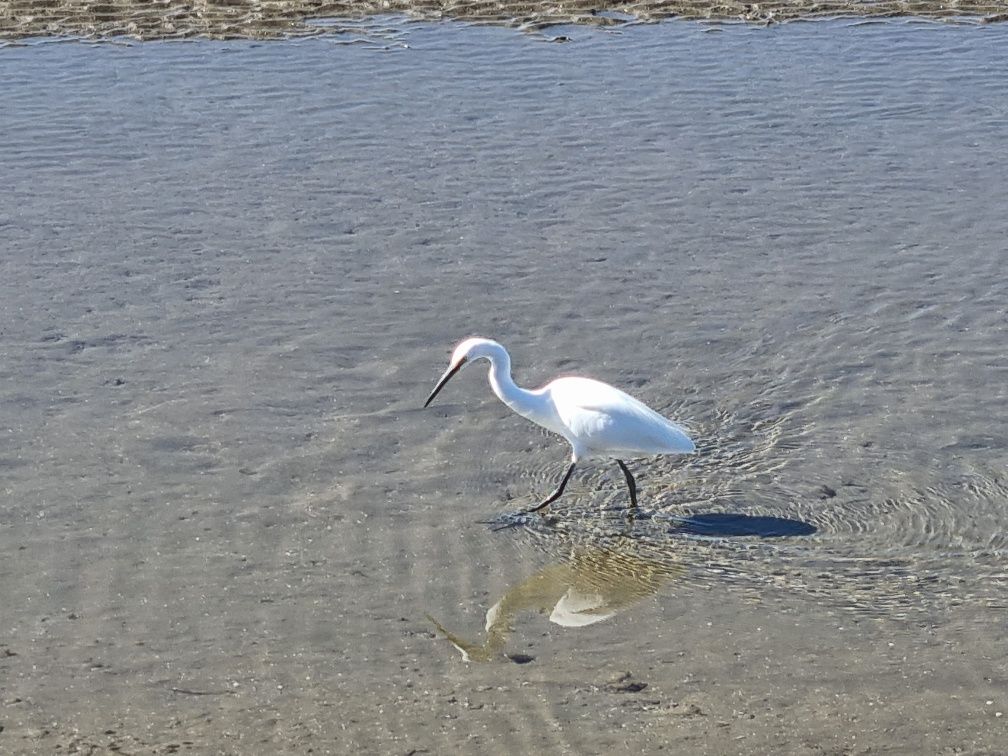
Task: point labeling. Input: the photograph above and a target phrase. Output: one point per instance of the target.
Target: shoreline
(296, 19)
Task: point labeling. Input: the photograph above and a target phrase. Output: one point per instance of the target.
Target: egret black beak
(444, 379)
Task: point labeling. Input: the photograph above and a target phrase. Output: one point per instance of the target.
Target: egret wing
(606, 420)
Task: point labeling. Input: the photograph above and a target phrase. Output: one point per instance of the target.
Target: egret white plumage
(598, 420)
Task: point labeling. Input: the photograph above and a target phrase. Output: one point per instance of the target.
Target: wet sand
(231, 273)
(245, 19)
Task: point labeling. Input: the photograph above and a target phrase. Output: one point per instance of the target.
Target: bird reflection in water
(591, 585)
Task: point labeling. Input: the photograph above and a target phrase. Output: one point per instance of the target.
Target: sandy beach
(232, 271)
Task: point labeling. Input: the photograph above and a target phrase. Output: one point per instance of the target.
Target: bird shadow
(710, 525)
(734, 525)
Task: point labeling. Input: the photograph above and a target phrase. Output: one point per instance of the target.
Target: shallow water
(232, 272)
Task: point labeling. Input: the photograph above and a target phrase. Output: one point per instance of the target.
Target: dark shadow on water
(711, 525)
(730, 524)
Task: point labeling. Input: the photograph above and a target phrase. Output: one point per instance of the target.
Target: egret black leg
(556, 494)
(631, 483)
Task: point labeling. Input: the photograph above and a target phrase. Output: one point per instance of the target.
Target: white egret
(598, 420)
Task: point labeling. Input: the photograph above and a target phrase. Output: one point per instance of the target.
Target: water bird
(598, 420)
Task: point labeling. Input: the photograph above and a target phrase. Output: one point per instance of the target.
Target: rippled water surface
(231, 273)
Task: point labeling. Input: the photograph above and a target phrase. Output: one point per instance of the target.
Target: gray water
(231, 273)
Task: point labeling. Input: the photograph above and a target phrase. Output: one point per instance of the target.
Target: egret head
(466, 352)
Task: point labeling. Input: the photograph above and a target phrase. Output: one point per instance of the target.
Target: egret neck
(533, 405)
